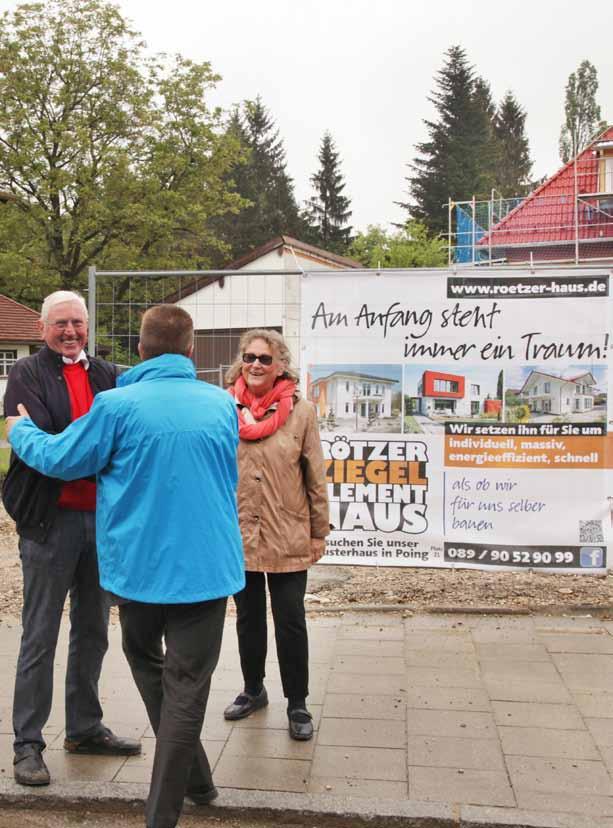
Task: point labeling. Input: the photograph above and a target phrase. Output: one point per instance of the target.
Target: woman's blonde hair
(276, 344)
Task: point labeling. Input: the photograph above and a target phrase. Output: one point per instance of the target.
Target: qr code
(590, 531)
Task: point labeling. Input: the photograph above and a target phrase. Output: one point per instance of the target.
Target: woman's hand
(318, 547)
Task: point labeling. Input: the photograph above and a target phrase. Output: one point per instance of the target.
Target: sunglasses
(263, 359)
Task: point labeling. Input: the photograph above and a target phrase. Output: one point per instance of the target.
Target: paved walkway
(500, 720)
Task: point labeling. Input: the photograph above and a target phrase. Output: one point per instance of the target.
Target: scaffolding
(567, 219)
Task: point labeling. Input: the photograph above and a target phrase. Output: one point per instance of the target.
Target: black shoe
(300, 724)
(30, 769)
(245, 704)
(202, 796)
(104, 743)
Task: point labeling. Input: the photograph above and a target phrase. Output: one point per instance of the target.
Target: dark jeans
(65, 563)
(287, 604)
(174, 686)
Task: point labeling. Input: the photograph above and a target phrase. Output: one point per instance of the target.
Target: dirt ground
(332, 588)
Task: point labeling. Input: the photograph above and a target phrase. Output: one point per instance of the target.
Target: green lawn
(5, 454)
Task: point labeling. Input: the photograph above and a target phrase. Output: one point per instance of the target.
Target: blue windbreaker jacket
(163, 446)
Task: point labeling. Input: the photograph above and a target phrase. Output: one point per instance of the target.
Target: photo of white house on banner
(464, 419)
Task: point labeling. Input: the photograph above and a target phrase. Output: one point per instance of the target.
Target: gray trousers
(174, 685)
(65, 563)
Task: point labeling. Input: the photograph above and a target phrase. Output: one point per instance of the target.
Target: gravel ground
(333, 587)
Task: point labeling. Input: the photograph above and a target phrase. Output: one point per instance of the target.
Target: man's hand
(10, 421)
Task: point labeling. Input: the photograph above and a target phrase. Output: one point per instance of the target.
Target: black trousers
(287, 604)
(174, 686)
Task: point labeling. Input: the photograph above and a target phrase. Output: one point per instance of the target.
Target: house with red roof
(568, 218)
(550, 394)
(19, 335)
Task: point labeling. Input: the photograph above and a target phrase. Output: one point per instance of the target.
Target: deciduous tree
(113, 155)
(582, 118)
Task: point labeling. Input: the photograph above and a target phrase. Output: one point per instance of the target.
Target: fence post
(91, 307)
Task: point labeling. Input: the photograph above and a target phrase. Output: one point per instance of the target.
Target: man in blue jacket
(163, 446)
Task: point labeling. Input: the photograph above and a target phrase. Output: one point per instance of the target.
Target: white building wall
(22, 351)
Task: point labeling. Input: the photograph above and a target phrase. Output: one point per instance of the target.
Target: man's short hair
(57, 298)
(166, 329)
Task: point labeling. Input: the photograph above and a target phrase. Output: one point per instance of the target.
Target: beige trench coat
(282, 495)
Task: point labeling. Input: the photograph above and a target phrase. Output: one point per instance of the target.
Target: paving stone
(346, 705)
(585, 805)
(524, 691)
(265, 742)
(369, 647)
(478, 787)
(585, 672)
(360, 763)
(535, 714)
(372, 620)
(441, 659)
(597, 705)
(369, 665)
(600, 642)
(439, 677)
(540, 741)
(440, 641)
(371, 633)
(602, 731)
(448, 698)
(253, 773)
(370, 788)
(444, 751)
(553, 775)
(531, 671)
(66, 767)
(380, 685)
(512, 652)
(362, 733)
(463, 724)
(450, 622)
(138, 768)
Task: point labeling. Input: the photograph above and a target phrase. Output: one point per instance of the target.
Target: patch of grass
(411, 426)
(5, 454)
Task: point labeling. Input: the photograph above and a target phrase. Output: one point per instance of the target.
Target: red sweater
(78, 494)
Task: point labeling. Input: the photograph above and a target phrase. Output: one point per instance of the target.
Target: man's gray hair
(57, 298)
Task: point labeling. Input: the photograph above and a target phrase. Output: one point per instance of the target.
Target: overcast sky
(363, 69)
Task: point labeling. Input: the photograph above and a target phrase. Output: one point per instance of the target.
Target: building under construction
(568, 218)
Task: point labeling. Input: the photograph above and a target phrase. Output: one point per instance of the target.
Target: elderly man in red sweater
(57, 545)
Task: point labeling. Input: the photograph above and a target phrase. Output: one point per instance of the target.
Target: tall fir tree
(457, 159)
(327, 211)
(582, 118)
(513, 162)
(261, 178)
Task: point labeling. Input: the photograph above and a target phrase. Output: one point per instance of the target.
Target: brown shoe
(104, 743)
(29, 768)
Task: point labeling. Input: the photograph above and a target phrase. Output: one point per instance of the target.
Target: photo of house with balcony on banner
(537, 394)
(353, 398)
(435, 396)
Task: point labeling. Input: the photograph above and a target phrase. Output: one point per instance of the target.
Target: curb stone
(344, 812)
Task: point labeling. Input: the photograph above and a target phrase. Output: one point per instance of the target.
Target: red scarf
(281, 393)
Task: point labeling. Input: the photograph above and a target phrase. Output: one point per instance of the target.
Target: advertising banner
(463, 418)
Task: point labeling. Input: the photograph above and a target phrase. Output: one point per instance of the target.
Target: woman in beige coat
(283, 512)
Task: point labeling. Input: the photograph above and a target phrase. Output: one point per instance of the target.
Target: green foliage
(113, 156)
(457, 160)
(327, 211)
(260, 178)
(582, 118)
(411, 246)
(473, 146)
(513, 162)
